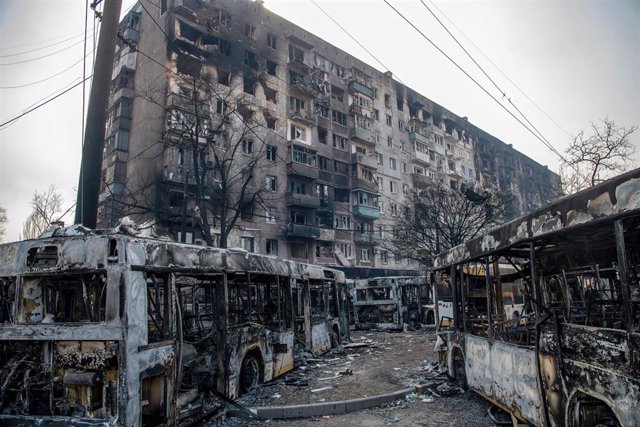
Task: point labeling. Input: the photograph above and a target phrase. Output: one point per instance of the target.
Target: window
(225, 47)
(393, 208)
(250, 31)
(270, 94)
(271, 123)
(296, 104)
(341, 168)
(225, 19)
(272, 41)
(403, 146)
(361, 150)
(379, 159)
(392, 164)
(393, 186)
(376, 115)
(401, 125)
(387, 101)
(247, 146)
(272, 152)
(270, 216)
(339, 117)
(249, 86)
(389, 141)
(223, 77)
(388, 118)
(384, 257)
(272, 67)
(342, 222)
(345, 248)
(271, 183)
(365, 255)
(298, 133)
(322, 135)
(452, 166)
(403, 167)
(323, 163)
(272, 247)
(221, 107)
(340, 142)
(246, 211)
(301, 155)
(381, 207)
(295, 53)
(380, 182)
(405, 189)
(247, 244)
(187, 235)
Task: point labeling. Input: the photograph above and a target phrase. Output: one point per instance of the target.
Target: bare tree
(47, 208)
(438, 218)
(3, 222)
(217, 140)
(595, 156)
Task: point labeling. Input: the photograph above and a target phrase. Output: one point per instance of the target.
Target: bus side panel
(283, 360)
(504, 373)
(320, 338)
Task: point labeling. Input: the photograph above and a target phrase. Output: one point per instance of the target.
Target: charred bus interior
(571, 354)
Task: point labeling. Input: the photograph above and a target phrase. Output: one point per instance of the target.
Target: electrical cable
(43, 56)
(475, 81)
(40, 48)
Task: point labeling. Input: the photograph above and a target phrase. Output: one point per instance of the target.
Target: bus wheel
(251, 373)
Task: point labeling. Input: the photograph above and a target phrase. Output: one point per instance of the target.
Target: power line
(353, 38)
(42, 104)
(43, 56)
(504, 94)
(499, 69)
(475, 81)
(47, 78)
(40, 48)
(40, 42)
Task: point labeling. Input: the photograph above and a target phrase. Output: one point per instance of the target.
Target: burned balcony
(364, 135)
(301, 169)
(303, 230)
(364, 160)
(423, 158)
(416, 135)
(302, 200)
(356, 86)
(364, 185)
(421, 181)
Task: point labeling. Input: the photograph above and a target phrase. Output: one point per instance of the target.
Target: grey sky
(579, 60)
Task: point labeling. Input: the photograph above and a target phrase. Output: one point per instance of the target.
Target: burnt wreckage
(110, 329)
(572, 355)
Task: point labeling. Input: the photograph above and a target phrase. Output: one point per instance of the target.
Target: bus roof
(616, 198)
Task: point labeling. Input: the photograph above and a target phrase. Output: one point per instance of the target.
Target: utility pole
(183, 237)
(93, 144)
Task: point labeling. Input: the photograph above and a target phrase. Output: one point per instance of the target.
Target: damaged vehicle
(387, 303)
(571, 355)
(109, 329)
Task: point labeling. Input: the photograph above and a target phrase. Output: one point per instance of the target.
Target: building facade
(341, 144)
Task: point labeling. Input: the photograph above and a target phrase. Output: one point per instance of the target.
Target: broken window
(225, 47)
(296, 54)
(272, 68)
(340, 142)
(272, 41)
(247, 146)
(250, 59)
(271, 94)
(250, 31)
(272, 247)
(224, 77)
(272, 152)
(271, 122)
(339, 117)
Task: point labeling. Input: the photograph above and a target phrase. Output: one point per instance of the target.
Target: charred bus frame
(573, 356)
(387, 303)
(108, 329)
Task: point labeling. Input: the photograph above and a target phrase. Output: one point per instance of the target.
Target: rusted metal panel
(66, 332)
(505, 373)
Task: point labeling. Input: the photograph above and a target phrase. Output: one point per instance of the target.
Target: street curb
(329, 408)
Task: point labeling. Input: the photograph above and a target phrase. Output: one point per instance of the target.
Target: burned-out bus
(110, 329)
(387, 303)
(571, 356)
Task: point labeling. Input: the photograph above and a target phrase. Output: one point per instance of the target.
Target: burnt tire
(251, 373)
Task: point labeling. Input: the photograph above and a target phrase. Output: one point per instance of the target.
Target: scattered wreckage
(571, 357)
(105, 328)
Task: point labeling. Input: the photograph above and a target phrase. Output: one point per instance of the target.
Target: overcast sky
(578, 60)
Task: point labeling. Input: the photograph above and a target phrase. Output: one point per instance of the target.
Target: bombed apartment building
(223, 107)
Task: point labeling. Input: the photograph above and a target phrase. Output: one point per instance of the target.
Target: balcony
(422, 158)
(367, 238)
(301, 169)
(303, 230)
(303, 200)
(126, 61)
(298, 65)
(301, 114)
(364, 185)
(421, 181)
(355, 86)
(364, 160)
(363, 135)
(326, 204)
(370, 212)
(420, 137)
